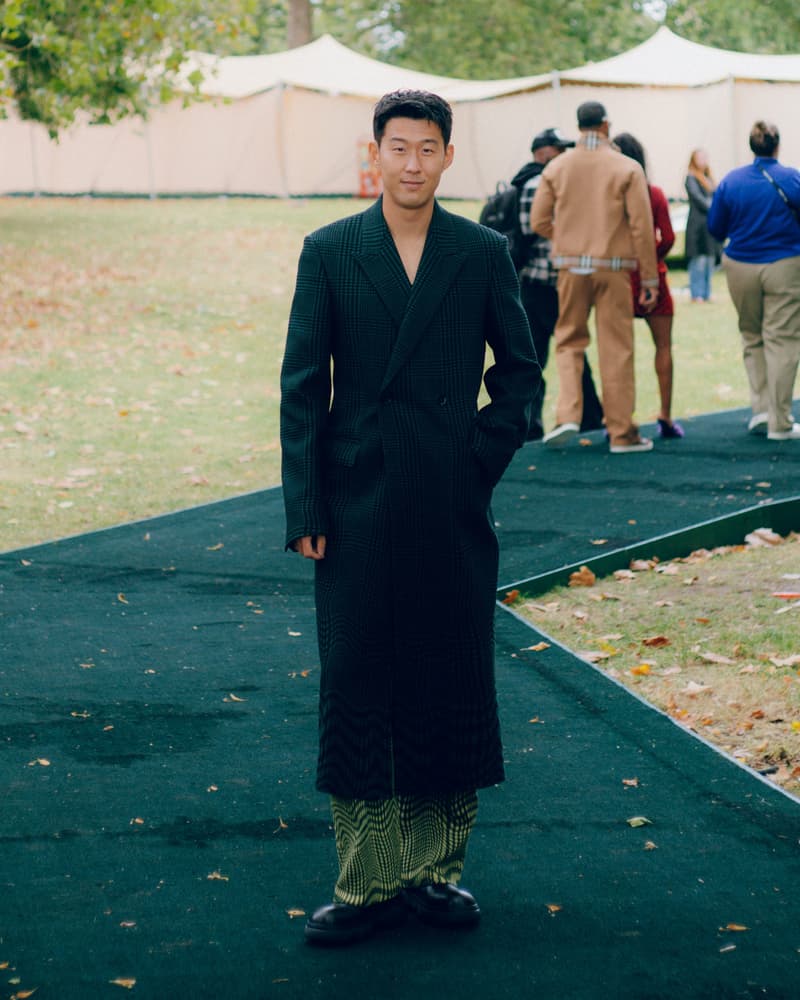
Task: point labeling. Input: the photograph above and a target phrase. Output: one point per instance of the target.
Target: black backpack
(501, 213)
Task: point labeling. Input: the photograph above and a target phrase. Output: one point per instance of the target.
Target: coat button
(443, 401)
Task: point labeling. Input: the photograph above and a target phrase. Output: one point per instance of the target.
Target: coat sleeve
(718, 220)
(665, 235)
(542, 208)
(305, 398)
(513, 379)
(640, 220)
(699, 198)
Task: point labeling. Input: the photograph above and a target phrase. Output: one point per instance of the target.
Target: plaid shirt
(539, 266)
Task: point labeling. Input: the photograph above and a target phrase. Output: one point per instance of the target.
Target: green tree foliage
(475, 39)
(768, 26)
(107, 57)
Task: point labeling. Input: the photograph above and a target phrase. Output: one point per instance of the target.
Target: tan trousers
(385, 845)
(610, 294)
(767, 299)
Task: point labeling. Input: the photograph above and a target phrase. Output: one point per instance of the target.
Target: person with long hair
(659, 318)
(701, 248)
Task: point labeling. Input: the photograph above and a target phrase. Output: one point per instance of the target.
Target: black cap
(591, 114)
(551, 137)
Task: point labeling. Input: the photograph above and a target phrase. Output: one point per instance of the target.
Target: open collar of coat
(440, 262)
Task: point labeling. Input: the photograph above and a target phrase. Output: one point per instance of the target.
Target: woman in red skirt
(659, 319)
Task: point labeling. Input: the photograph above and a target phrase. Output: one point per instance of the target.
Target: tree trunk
(299, 24)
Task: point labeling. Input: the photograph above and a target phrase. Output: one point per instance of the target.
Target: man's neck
(408, 223)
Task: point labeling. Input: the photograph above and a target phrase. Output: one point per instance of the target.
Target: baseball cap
(591, 114)
(551, 137)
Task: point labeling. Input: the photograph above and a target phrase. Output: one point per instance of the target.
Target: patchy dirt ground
(713, 639)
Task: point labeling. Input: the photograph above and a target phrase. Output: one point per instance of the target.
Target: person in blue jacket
(756, 208)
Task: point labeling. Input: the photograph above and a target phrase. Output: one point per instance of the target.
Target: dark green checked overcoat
(386, 453)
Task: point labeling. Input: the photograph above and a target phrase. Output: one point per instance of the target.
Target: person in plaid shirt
(537, 279)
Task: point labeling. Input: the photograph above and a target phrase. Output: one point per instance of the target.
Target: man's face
(411, 158)
(544, 154)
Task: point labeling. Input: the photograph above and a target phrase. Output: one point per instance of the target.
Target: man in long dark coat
(388, 470)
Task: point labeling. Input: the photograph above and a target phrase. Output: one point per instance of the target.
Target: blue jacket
(749, 212)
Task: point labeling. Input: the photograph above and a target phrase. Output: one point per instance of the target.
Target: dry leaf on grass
(583, 577)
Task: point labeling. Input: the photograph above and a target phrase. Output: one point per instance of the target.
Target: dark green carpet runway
(157, 746)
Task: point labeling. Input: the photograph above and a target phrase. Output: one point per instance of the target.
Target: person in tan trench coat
(388, 470)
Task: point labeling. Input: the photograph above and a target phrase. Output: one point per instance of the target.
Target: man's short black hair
(764, 138)
(419, 104)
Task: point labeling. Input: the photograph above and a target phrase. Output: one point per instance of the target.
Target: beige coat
(594, 205)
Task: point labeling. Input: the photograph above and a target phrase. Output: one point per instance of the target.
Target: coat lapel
(440, 263)
(381, 263)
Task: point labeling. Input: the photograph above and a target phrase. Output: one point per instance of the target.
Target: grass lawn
(140, 346)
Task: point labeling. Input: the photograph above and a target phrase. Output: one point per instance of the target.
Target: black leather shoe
(341, 924)
(443, 905)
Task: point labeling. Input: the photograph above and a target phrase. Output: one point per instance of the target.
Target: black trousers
(540, 302)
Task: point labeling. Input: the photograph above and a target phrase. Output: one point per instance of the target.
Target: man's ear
(374, 153)
(448, 156)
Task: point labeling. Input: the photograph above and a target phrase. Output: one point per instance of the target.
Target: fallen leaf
(624, 574)
(127, 924)
(41, 761)
(553, 908)
(583, 577)
(537, 719)
(727, 947)
(599, 541)
(122, 599)
(233, 697)
(126, 984)
(217, 877)
(716, 658)
(641, 565)
(537, 648)
(212, 788)
(642, 670)
(294, 634)
(693, 688)
(639, 821)
(630, 782)
(215, 548)
(655, 641)
(23, 994)
(593, 655)
(296, 913)
(763, 536)
(650, 846)
(734, 927)
(511, 597)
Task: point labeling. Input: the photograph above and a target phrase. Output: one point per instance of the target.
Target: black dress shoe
(443, 905)
(340, 923)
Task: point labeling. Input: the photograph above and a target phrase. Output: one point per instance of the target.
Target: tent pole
(282, 164)
(732, 110)
(151, 173)
(555, 76)
(34, 160)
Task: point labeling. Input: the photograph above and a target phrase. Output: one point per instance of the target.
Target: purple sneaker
(669, 430)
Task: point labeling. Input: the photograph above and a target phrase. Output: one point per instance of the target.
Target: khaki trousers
(767, 299)
(610, 294)
(409, 840)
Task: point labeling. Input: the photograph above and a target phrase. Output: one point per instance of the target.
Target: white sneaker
(793, 434)
(560, 435)
(758, 424)
(643, 444)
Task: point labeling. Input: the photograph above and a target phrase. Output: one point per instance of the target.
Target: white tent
(297, 122)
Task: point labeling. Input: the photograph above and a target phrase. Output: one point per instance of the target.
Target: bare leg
(661, 330)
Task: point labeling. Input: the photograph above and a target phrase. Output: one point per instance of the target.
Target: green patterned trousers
(385, 845)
